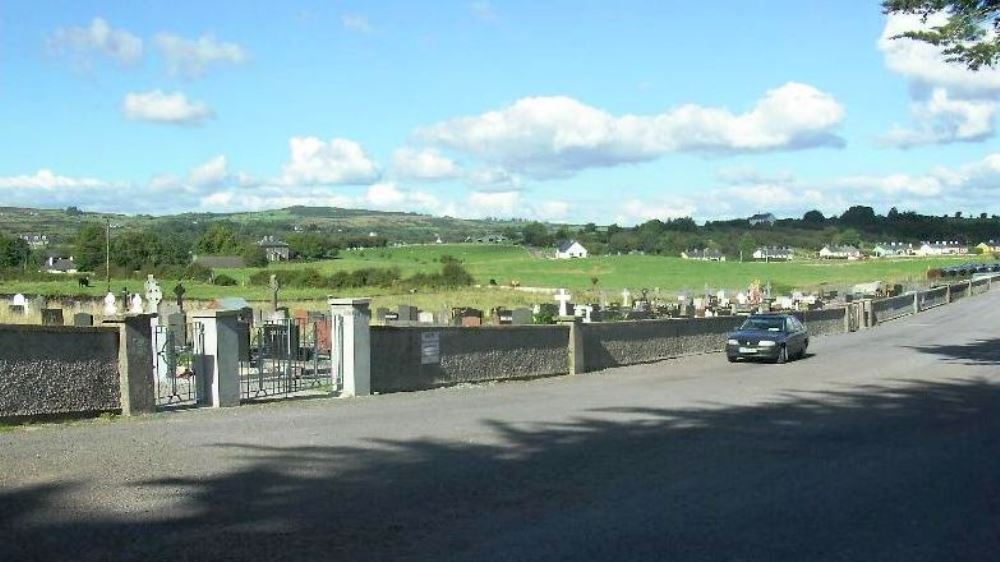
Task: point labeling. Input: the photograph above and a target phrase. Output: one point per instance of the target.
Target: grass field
(511, 263)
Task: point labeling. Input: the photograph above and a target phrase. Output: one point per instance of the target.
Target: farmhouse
(762, 218)
(274, 249)
(703, 255)
(571, 249)
(893, 249)
(840, 253)
(773, 254)
(488, 239)
(60, 265)
(949, 248)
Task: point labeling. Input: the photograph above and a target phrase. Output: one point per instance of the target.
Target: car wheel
(731, 358)
(782, 355)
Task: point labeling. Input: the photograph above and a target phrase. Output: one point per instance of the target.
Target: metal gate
(179, 349)
(284, 358)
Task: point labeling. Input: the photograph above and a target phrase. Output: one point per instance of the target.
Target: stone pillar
(947, 293)
(135, 363)
(355, 355)
(218, 368)
(916, 302)
(576, 360)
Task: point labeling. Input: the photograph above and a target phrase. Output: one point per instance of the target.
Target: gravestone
(83, 320)
(467, 317)
(522, 316)
(425, 317)
(502, 316)
(52, 317)
(179, 291)
(177, 323)
(275, 286)
(626, 298)
(19, 301)
(323, 334)
(154, 295)
(135, 304)
(585, 311)
(563, 297)
(243, 339)
(110, 304)
(280, 314)
(16, 309)
(168, 308)
(407, 313)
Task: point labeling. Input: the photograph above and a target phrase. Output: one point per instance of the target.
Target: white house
(893, 249)
(941, 249)
(840, 252)
(703, 255)
(762, 218)
(773, 254)
(60, 265)
(571, 249)
(274, 249)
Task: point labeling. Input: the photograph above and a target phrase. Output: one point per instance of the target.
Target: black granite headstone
(83, 320)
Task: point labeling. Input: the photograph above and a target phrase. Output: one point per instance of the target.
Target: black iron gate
(178, 351)
(286, 357)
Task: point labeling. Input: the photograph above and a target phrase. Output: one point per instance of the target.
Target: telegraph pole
(107, 252)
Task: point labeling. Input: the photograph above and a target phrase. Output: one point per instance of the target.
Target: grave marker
(52, 317)
(110, 304)
(563, 297)
(83, 320)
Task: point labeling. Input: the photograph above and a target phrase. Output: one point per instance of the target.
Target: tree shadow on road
(981, 352)
(905, 471)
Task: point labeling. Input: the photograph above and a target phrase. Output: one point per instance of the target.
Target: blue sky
(567, 111)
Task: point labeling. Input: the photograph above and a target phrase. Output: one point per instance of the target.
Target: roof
(62, 265)
(565, 246)
(704, 253)
(271, 242)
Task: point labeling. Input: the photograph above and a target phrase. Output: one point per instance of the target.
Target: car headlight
(733, 342)
(766, 343)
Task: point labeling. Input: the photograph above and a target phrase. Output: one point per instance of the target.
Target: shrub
(224, 280)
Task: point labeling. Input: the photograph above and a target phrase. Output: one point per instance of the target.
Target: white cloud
(83, 43)
(356, 22)
(557, 136)
(494, 203)
(425, 164)
(47, 180)
(384, 195)
(189, 58)
(211, 173)
(337, 162)
(159, 107)
(634, 210)
(495, 179)
(950, 103)
(743, 175)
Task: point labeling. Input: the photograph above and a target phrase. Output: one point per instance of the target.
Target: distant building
(893, 249)
(703, 255)
(488, 239)
(571, 249)
(840, 253)
(989, 247)
(274, 249)
(949, 248)
(763, 218)
(773, 254)
(35, 241)
(60, 265)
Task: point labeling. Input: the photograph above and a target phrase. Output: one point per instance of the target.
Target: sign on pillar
(351, 351)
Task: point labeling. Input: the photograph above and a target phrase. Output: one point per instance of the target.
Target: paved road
(884, 445)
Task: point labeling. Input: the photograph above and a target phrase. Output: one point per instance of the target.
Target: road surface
(883, 445)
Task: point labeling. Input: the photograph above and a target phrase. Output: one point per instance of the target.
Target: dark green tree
(964, 36)
(89, 247)
(536, 234)
(218, 239)
(14, 252)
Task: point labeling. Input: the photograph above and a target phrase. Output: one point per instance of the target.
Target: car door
(796, 339)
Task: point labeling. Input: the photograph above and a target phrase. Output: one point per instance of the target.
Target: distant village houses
(36, 241)
(703, 255)
(950, 248)
(773, 254)
(274, 249)
(989, 247)
(893, 249)
(840, 253)
(488, 239)
(571, 249)
(762, 218)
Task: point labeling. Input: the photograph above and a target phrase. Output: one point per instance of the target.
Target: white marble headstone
(626, 298)
(154, 295)
(135, 304)
(110, 304)
(563, 297)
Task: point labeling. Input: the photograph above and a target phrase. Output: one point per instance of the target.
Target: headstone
(135, 304)
(83, 320)
(179, 291)
(522, 316)
(16, 309)
(407, 313)
(177, 323)
(585, 311)
(468, 317)
(563, 297)
(154, 295)
(110, 304)
(626, 298)
(275, 286)
(425, 317)
(501, 316)
(168, 308)
(323, 334)
(21, 302)
(279, 314)
(52, 317)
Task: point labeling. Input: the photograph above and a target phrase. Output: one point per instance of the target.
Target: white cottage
(571, 249)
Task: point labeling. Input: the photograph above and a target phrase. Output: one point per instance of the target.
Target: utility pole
(107, 252)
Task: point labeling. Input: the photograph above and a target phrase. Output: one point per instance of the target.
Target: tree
(312, 246)
(89, 247)
(253, 255)
(859, 216)
(219, 239)
(964, 35)
(14, 252)
(536, 234)
(747, 247)
(814, 217)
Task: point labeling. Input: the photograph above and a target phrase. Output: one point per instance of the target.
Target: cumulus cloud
(190, 58)
(356, 22)
(159, 107)
(546, 137)
(337, 162)
(949, 103)
(98, 39)
(47, 180)
(424, 164)
(211, 173)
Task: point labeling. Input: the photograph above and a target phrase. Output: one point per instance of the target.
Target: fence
(893, 308)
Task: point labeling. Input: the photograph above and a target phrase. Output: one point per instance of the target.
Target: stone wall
(959, 291)
(46, 370)
(615, 344)
(933, 297)
(892, 308)
(980, 286)
(823, 321)
(488, 353)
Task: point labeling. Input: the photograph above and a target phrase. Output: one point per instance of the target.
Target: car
(775, 337)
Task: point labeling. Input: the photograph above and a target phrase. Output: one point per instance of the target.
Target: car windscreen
(764, 323)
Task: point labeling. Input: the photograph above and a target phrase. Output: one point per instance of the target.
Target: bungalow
(762, 218)
(773, 254)
(892, 249)
(949, 248)
(703, 255)
(571, 249)
(35, 241)
(488, 239)
(274, 249)
(60, 265)
(989, 247)
(840, 253)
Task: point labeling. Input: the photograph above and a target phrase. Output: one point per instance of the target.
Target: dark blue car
(774, 337)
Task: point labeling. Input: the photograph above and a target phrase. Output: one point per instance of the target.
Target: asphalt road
(883, 445)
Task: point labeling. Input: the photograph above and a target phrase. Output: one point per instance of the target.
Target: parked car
(775, 337)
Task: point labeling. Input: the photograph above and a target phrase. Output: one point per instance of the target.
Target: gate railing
(175, 372)
(285, 357)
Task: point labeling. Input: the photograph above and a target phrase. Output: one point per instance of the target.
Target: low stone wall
(614, 344)
(980, 286)
(959, 291)
(47, 370)
(933, 297)
(488, 353)
(823, 321)
(892, 308)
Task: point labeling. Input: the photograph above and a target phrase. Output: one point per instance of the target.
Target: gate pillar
(351, 346)
(135, 363)
(218, 368)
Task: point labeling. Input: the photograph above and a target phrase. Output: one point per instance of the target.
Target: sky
(568, 111)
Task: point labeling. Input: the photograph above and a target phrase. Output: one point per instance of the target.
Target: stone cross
(179, 291)
(585, 312)
(275, 286)
(153, 294)
(135, 304)
(563, 297)
(626, 298)
(110, 306)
